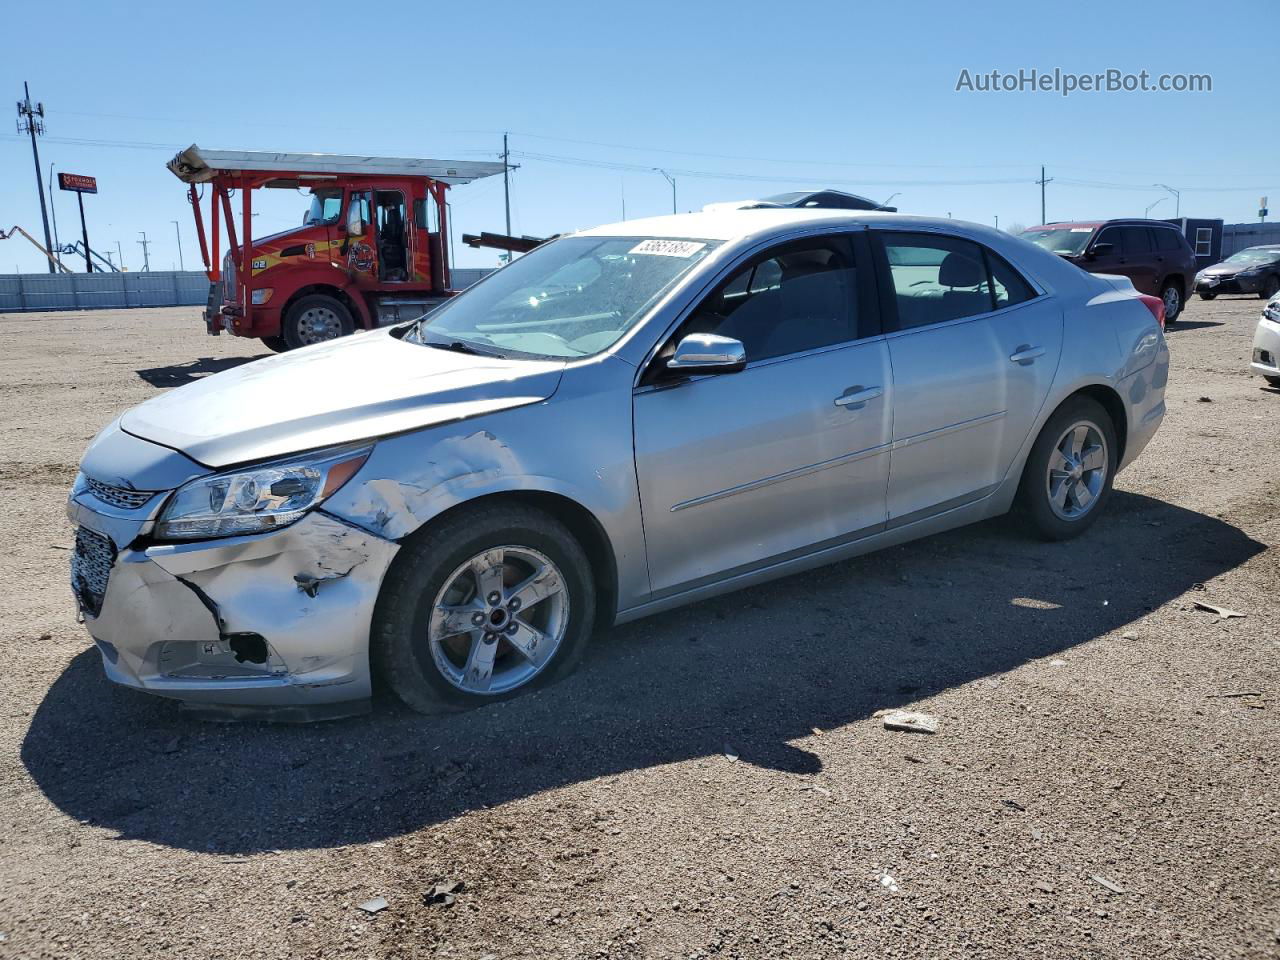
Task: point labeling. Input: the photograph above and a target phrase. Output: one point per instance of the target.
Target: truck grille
(120, 497)
(91, 563)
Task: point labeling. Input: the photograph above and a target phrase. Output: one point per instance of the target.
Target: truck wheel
(276, 344)
(486, 604)
(1270, 287)
(1171, 294)
(315, 319)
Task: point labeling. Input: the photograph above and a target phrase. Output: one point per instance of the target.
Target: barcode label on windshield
(668, 248)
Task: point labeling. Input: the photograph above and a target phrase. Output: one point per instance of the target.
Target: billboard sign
(77, 183)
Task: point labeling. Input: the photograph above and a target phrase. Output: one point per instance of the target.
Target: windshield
(325, 206)
(570, 298)
(786, 197)
(1064, 241)
(1254, 256)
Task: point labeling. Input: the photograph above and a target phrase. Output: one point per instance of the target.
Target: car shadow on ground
(177, 374)
(1182, 326)
(756, 669)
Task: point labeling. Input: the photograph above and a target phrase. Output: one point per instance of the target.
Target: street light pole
(181, 263)
(1177, 198)
(1147, 212)
(890, 200)
(672, 181)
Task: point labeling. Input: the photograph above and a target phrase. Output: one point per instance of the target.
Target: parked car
(1252, 270)
(622, 421)
(1153, 254)
(805, 199)
(1266, 343)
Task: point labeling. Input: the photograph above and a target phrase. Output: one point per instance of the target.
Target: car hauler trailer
(372, 247)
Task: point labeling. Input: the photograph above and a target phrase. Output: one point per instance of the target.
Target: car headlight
(257, 499)
(1272, 310)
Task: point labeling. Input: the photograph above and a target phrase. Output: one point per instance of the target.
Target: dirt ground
(1104, 782)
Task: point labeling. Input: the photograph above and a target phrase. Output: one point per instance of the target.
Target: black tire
(1270, 287)
(1171, 292)
(1033, 493)
(1207, 296)
(400, 649)
(275, 344)
(304, 314)
(1274, 381)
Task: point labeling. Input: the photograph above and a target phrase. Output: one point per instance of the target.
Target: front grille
(120, 497)
(91, 568)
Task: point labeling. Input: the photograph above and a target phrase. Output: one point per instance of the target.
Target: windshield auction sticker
(668, 248)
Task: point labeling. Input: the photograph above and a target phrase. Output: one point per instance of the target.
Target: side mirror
(1101, 250)
(708, 353)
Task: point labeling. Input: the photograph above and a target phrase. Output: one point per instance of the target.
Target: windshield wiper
(458, 346)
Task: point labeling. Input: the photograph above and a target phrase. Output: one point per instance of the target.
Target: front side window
(798, 297)
(569, 298)
(1112, 236)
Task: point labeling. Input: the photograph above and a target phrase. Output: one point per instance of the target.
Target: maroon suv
(1153, 254)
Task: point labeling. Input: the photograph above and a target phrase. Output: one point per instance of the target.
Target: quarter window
(798, 297)
(1007, 285)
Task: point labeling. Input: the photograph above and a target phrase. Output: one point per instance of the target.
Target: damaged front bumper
(279, 620)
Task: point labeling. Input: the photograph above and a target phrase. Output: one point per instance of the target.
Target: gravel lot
(1100, 785)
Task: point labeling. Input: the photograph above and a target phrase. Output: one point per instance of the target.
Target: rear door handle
(856, 397)
(1026, 354)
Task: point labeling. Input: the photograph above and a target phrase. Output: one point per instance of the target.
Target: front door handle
(856, 397)
(1026, 354)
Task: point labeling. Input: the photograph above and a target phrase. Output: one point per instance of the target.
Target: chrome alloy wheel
(1172, 302)
(498, 620)
(318, 324)
(1077, 470)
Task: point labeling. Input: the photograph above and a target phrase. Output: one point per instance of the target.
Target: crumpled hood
(355, 388)
(1221, 269)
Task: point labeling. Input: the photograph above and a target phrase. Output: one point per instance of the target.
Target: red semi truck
(372, 247)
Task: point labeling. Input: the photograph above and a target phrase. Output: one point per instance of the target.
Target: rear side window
(1136, 239)
(936, 278)
(1166, 240)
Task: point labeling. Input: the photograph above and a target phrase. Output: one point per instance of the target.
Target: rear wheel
(315, 319)
(1067, 479)
(488, 603)
(1172, 297)
(276, 344)
(1270, 287)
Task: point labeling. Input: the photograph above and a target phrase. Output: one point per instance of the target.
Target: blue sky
(739, 99)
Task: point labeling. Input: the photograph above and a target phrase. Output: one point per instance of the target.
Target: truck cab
(371, 249)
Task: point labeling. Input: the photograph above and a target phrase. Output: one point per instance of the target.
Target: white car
(1266, 343)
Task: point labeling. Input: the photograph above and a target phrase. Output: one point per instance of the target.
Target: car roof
(1115, 221)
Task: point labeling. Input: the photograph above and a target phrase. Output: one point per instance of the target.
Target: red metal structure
(372, 248)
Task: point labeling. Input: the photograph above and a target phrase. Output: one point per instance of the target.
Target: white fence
(161, 288)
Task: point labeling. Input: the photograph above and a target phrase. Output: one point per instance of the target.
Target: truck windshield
(573, 297)
(1064, 241)
(325, 206)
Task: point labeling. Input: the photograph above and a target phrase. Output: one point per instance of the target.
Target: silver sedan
(627, 419)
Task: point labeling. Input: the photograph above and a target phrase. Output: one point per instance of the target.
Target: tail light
(1156, 306)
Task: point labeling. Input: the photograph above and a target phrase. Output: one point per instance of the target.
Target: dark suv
(1153, 254)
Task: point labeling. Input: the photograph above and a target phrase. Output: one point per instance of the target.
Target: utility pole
(146, 260)
(1042, 181)
(506, 182)
(672, 181)
(181, 263)
(53, 209)
(88, 263)
(31, 120)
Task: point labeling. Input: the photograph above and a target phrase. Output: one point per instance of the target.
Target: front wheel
(315, 319)
(1273, 381)
(1270, 287)
(482, 606)
(274, 344)
(1067, 479)
(1172, 297)
(1207, 296)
